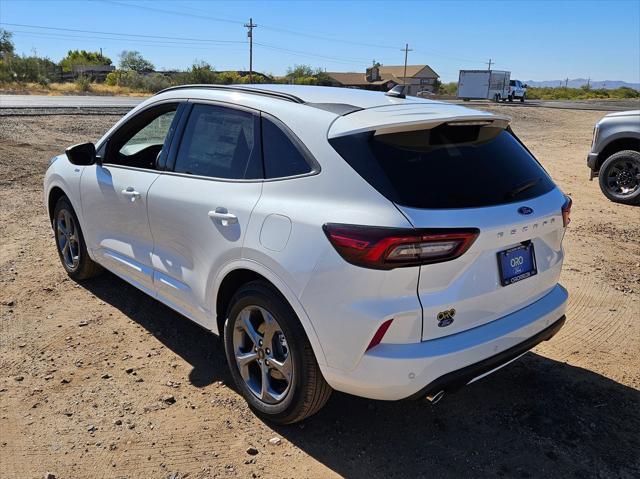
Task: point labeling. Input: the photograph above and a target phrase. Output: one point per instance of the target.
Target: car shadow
(535, 418)
(199, 347)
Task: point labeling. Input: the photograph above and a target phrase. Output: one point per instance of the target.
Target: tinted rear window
(446, 167)
(281, 157)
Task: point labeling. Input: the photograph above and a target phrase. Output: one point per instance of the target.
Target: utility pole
(489, 63)
(566, 82)
(406, 51)
(588, 83)
(250, 26)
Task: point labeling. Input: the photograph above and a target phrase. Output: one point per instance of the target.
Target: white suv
(379, 245)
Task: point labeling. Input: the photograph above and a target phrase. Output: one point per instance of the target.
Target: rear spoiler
(383, 121)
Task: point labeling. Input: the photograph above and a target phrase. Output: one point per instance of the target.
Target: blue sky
(535, 40)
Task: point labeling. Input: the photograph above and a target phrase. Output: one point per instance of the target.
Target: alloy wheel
(262, 355)
(623, 177)
(67, 239)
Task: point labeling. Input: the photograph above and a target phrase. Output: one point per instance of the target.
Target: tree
(306, 75)
(133, 60)
(201, 73)
(7, 48)
(83, 57)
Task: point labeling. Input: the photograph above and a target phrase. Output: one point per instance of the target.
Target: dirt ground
(86, 370)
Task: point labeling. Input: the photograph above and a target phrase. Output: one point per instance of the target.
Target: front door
(114, 195)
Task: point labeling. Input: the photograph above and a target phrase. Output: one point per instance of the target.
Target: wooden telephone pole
(250, 26)
(406, 51)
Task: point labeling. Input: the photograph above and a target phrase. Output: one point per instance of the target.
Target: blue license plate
(517, 263)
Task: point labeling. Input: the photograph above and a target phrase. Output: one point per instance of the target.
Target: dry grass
(66, 89)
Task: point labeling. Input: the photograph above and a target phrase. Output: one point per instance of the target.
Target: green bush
(27, 69)
(83, 83)
(151, 83)
(562, 93)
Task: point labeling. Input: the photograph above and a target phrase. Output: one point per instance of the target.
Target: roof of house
(412, 70)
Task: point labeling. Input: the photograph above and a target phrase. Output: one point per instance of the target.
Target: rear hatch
(448, 167)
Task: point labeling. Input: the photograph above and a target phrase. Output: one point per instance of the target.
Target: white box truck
(483, 85)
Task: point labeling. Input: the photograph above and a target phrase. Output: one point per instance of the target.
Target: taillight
(566, 211)
(388, 248)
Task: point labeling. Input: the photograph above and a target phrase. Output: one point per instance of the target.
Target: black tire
(79, 266)
(510, 97)
(307, 390)
(496, 98)
(522, 98)
(619, 177)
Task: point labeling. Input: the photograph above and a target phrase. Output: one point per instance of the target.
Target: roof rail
(242, 88)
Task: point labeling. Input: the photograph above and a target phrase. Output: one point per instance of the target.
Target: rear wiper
(522, 187)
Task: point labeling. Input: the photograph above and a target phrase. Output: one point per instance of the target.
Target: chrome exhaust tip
(435, 398)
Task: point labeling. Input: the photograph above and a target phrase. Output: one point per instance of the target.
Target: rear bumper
(457, 379)
(398, 371)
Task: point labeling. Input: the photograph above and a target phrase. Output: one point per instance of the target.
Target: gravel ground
(99, 380)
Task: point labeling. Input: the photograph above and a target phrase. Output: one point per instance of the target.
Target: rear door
(473, 84)
(469, 175)
(200, 208)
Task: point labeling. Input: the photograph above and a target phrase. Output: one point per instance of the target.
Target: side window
(138, 142)
(221, 143)
(151, 134)
(282, 157)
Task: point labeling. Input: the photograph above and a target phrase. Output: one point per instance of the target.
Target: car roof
(309, 94)
(345, 110)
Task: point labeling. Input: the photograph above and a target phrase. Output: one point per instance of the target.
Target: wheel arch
(234, 276)
(616, 145)
(55, 194)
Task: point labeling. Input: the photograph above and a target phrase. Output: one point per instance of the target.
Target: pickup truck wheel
(70, 242)
(619, 177)
(510, 97)
(522, 98)
(270, 357)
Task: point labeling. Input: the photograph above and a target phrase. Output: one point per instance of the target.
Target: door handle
(131, 192)
(224, 216)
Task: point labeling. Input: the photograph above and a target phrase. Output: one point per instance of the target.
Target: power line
(137, 35)
(174, 12)
(167, 44)
(280, 29)
(348, 61)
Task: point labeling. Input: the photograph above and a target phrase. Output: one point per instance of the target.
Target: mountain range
(578, 82)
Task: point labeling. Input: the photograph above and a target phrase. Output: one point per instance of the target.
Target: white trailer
(483, 85)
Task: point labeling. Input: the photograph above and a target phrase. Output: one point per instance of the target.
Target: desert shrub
(83, 83)
(43, 81)
(155, 82)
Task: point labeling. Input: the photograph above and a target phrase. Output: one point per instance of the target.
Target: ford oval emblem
(525, 210)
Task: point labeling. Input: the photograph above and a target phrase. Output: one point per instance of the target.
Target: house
(383, 78)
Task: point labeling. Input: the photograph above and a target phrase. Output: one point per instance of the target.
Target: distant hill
(578, 82)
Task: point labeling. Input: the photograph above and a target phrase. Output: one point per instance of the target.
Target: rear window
(446, 167)
(281, 157)
(512, 83)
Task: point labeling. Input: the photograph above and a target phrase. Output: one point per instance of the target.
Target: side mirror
(526, 86)
(81, 154)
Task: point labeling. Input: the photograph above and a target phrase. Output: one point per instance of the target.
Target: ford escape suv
(381, 245)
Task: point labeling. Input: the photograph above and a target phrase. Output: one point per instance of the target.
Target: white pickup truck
(517, 89)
